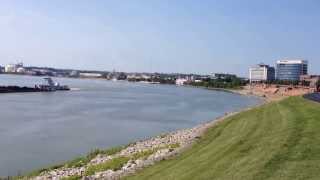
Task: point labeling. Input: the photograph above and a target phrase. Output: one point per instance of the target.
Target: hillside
(280, 140)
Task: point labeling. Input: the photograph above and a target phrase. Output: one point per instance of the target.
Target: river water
(41, 129)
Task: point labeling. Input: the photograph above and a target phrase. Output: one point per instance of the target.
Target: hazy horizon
(159, 36)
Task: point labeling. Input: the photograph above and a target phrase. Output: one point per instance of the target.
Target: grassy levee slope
(280, 140)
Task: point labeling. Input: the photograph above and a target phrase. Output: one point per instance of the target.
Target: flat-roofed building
(12, 68)
(312, 80)
(291, 69)
(261, 73)
(90, 75)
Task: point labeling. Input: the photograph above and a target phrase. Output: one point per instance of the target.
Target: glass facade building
(291, 69)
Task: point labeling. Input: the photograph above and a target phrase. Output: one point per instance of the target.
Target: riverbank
(132, 157)
(243, 91)
(104, 114)
(279, 140)
(274, 92)
(135, 156)
(268, 93)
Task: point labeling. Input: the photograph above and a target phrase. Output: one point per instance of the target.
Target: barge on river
(49, 87)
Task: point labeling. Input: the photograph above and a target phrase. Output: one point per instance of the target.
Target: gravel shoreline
(181, 139)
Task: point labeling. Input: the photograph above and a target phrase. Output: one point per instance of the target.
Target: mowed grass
(280, 140)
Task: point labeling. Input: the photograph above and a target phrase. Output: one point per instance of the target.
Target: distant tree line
(154, 79)
(227, 83)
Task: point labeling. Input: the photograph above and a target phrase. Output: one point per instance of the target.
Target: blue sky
(159, 35)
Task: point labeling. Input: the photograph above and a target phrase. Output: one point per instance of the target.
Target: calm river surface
(40, 129)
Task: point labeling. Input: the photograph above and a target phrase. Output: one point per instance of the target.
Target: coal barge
(51, 86)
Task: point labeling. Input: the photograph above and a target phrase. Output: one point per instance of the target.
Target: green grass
(173, 146)
(77, 162)
(143, 154)
(81, 161)
(117, 163)
(280, 140)
(113, 164)
(147, 153)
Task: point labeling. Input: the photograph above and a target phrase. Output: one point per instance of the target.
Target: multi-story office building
(262, 73)
(291, 69)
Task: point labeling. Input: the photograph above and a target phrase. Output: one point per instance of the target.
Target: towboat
(48, 87)
(52, 86)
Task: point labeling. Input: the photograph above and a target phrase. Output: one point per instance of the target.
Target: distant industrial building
(21, 70)
(261, 73)
(12, 68)
(291, 69)
(135, 77)
(181, 81)
(90, 75)
(222, 76)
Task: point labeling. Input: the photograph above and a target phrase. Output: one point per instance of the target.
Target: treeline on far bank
(237, 83)
(227, 83)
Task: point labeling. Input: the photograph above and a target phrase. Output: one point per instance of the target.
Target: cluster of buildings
(19, 68)
(285, 71)
(187, 79)
(13, 68)
(163, 78)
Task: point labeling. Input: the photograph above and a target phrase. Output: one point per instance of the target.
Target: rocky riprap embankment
(161, 148)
